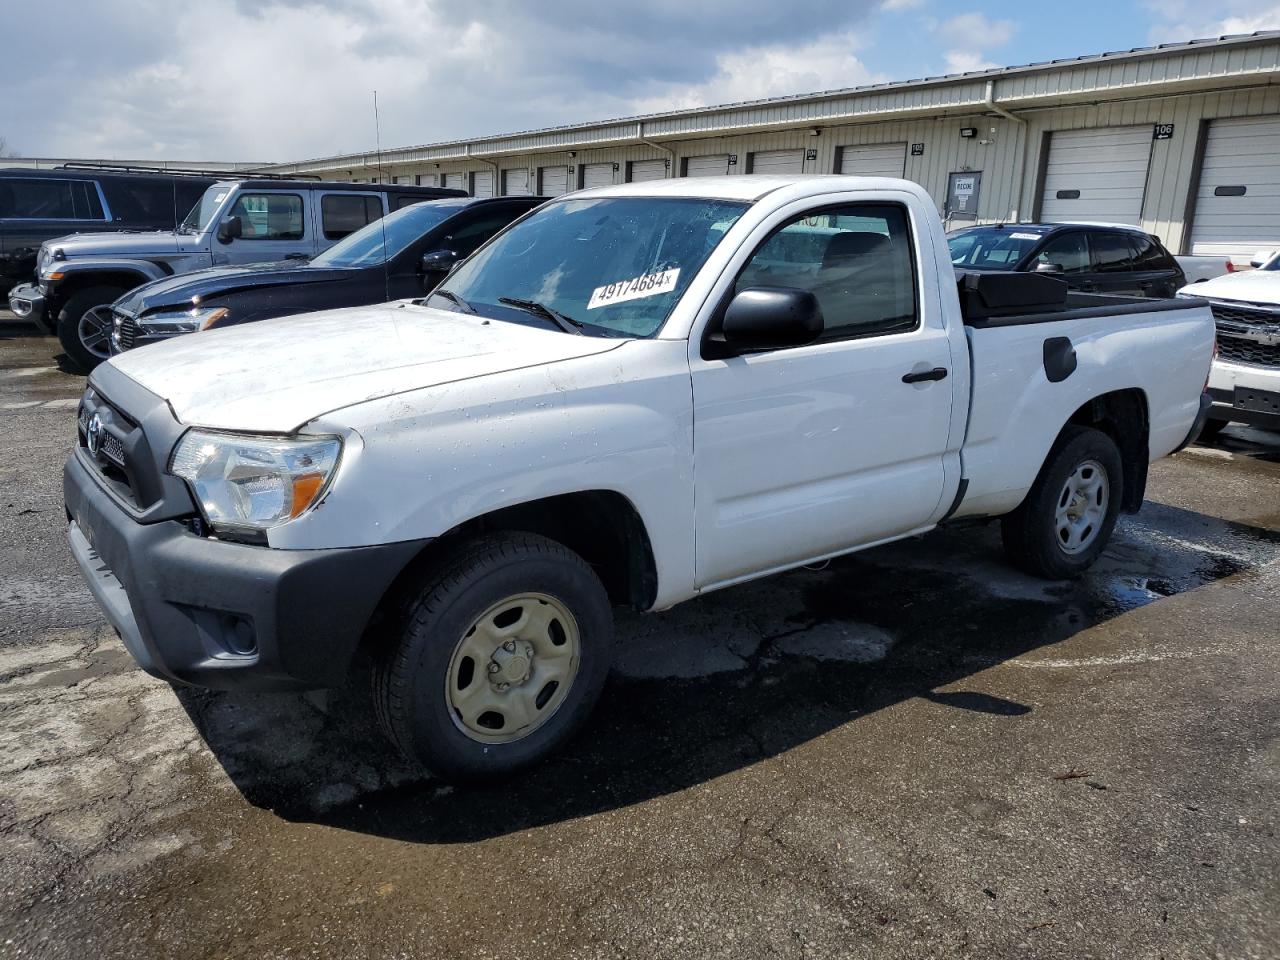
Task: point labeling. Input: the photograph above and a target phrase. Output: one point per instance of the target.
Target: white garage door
(455, 181)
(515, 183)
(428, 180)
(778, 161)
(638, 170)
(482, 183)
(597, 175)
(874, 160)
(713, 166)
(553, 181)
(1097, 175)
(1238, 201)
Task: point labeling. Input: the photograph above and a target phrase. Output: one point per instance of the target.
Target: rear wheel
(84, 326)
(503, 653)
(1064, 523)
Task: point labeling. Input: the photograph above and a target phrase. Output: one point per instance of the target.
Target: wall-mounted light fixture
(815, 132)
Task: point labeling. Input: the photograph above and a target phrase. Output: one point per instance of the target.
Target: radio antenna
(386, 201)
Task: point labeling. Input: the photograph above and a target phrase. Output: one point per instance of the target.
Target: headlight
(252, 483)
(169, 322)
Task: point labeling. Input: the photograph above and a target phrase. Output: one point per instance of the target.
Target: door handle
(937, 373)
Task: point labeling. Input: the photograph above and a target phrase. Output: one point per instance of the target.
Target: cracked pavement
(912, 752)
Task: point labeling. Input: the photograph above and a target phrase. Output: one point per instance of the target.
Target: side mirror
(1048, 268)
(439, 261)
(230, 229)
(768, 318)
(437, 265)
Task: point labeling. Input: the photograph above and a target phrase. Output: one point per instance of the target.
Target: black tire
(1211, 430)
(1031, 532)
(68, 326)
(409, 678)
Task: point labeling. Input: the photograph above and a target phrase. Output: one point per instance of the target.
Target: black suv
(1094, 258)
(402, 255)
(38, 205)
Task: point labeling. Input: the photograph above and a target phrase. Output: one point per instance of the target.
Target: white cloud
(289, 79)
(971, 36)
(767, 71)
(896, 5)
(1184, 20)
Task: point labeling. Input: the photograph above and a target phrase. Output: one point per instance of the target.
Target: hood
(118, 244)
(1252, 286)
(183, 288)
(276, 375)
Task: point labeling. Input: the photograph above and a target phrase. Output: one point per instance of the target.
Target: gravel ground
(913, 752)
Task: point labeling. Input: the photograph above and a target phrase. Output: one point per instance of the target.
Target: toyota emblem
(93, 434)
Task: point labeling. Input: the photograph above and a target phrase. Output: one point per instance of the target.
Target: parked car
(403, 255)
(1093, 258)
(38, 205)
(634, 395)
(1245, 383)
(234, 222)
(1198, 269)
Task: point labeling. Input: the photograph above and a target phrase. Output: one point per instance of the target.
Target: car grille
(1248, 333)
(126, 330)
(1237, 350)
(104, 443)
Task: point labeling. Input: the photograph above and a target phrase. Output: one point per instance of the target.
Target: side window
(1111, 252)
(269, 216)
(1149, 255)
(1070, 251)
(857, 260)
(38, 200)
(345, 213)
(407, 200)
(468, 237)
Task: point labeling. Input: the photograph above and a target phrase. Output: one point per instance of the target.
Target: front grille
(126, 330)
(1248, 333)
(1238, 350)
(104, 433)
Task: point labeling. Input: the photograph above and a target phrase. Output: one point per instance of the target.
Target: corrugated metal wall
(1009, 153)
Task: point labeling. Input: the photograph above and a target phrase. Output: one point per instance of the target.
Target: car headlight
(252, 483)
(168, 322)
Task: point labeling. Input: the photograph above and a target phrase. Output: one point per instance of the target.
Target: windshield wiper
(567, 324)
(451, 297)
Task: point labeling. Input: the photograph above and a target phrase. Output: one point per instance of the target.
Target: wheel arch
(1124, 416)
(601, 526)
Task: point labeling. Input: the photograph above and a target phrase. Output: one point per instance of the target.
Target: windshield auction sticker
(650, 285)
(1024, 236)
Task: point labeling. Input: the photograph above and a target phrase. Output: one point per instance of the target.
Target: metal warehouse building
(1183, 139)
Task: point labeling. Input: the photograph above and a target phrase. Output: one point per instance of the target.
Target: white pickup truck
(632, 396)
(1245, 383)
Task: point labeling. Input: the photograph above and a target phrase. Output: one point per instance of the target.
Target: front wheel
(501, 658)
(1064, 523)
(84, 326)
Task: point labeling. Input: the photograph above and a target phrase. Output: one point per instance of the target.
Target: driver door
(809, 451)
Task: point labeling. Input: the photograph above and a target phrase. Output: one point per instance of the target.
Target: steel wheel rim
(1081, 508)
(94, 331)
(513, 669)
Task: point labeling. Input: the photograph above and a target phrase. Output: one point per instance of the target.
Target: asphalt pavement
(912, 752)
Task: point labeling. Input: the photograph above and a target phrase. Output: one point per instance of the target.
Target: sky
(277, 80)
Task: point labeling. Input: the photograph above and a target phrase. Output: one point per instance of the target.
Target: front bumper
(1245, 393)
(224, 615)
(27, 303)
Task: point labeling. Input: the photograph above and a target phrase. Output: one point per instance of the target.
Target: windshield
(365, 247)
(615, 265)
(203, 211)
(990, 248)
